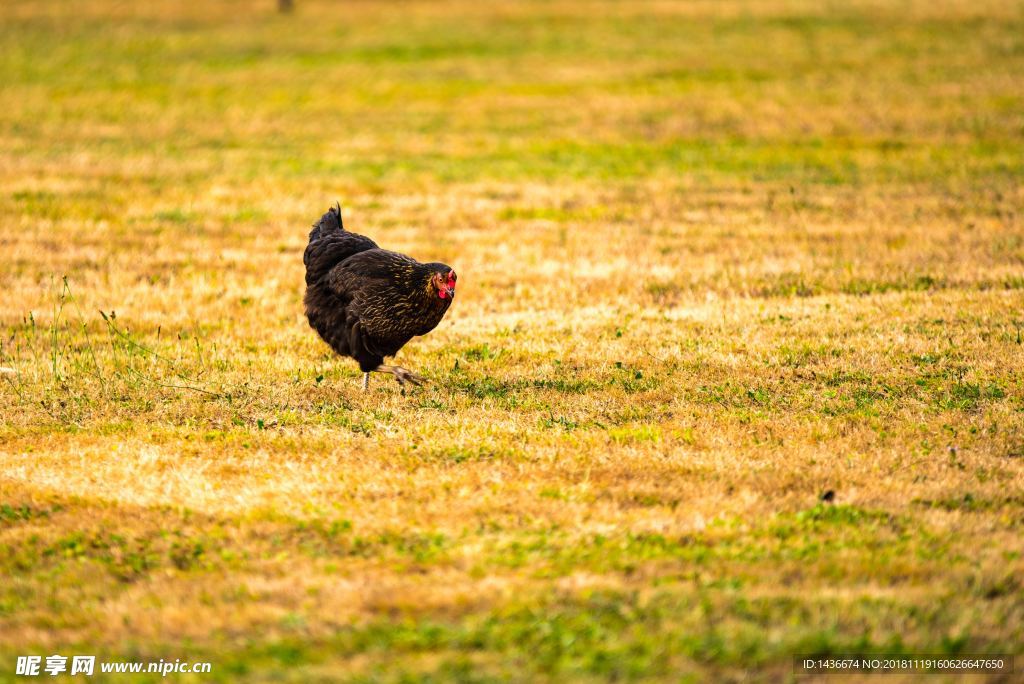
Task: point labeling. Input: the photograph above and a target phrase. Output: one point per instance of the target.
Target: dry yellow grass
(715, 259)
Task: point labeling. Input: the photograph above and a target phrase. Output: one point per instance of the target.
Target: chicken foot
(402, 375)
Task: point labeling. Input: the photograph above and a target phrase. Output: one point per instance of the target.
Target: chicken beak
(450, 291)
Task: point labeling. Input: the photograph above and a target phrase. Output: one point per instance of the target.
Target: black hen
(367, 302)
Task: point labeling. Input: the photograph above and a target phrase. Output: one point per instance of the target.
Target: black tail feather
(330, 244)
(329, 223)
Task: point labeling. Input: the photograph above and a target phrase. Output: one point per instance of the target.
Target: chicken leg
(402, 375)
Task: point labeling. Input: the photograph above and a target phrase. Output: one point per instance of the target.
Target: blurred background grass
(361, 92)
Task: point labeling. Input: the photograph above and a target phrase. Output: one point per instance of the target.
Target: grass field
(715, 260)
